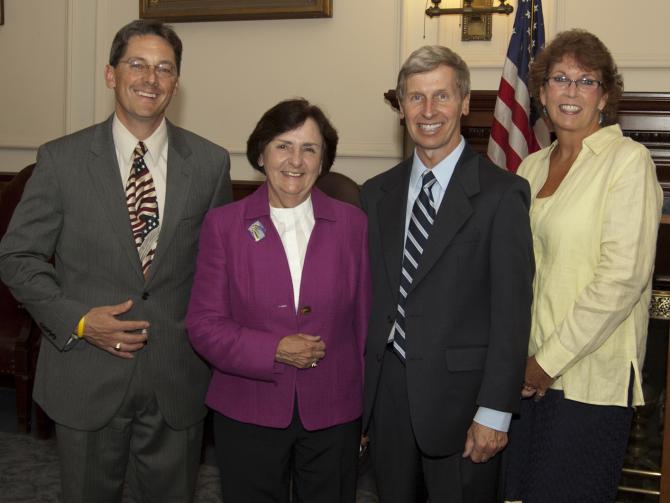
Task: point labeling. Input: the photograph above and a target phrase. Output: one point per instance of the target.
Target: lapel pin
(257, 230)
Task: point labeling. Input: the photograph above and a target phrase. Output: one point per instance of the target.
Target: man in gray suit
(119, 207)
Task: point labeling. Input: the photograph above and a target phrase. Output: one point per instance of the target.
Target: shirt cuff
(494, 419)
(553, 357)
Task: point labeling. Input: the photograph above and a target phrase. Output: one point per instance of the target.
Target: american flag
(518, 129)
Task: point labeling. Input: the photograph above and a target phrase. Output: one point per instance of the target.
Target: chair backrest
(9, 198)
(339, 186)
(11, 195)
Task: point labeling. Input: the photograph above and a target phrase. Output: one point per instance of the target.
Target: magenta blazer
(242, 305)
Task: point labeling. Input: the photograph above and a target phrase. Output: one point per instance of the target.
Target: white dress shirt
(294, 226)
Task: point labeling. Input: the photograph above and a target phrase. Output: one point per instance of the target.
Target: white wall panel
(32, 78)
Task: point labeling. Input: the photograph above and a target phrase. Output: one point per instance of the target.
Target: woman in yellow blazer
(594, 215)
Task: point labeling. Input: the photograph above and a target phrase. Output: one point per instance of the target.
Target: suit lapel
(391, 217)
(454, 211)
(178, 181)
(105, 176)
(319, 246)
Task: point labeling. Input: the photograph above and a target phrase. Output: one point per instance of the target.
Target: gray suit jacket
(468, 310)
(74, 210)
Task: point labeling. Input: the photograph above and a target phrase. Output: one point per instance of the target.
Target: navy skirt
(566, 451)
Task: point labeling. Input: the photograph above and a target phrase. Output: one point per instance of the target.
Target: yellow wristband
(80, 327)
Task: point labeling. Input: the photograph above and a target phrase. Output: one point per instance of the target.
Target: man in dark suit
(119, 207)
(452, 267)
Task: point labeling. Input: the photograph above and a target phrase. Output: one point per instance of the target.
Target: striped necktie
(420, 223)
(143, 208)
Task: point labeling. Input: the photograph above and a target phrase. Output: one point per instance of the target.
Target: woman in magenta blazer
(279, 308)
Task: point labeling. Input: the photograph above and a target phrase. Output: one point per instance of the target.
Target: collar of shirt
(442, 171)
(595, 142)
(288, 216)
(125, 143)
(601, 139)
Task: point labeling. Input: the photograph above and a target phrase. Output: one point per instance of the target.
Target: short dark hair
(141, 27)
(591, 54)
(286, 116)
(426, 59)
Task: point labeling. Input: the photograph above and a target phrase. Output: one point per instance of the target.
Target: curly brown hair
(591, 54)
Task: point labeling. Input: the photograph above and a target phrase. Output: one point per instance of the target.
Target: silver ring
(117, 347)
(314, 364)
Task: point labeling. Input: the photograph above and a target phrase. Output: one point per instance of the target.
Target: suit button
(145, 295)
(390, 319)
(305, 310)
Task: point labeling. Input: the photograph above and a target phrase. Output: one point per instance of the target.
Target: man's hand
(117, 337)
(536, 381)
(482, 442)
(300, 350)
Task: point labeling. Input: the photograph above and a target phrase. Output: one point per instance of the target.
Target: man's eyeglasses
(141, 67)
(583, 84)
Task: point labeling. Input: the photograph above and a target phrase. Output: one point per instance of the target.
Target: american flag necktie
(420, 223)
(143, 208)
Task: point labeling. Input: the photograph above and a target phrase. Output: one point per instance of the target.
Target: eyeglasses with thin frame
(141, 67)
(583, 84)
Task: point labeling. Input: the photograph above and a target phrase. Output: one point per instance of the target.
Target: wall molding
(80, 64)
(21, 143)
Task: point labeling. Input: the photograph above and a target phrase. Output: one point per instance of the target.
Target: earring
(544, 110)
(601, 119)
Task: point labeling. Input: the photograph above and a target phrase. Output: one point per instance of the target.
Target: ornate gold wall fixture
(477, 26)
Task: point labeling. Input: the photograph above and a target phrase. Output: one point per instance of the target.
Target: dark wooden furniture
(19, 337)
(339, 186)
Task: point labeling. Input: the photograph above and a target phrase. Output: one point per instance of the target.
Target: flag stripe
(519, 115)
(517, 129)
(504, 151)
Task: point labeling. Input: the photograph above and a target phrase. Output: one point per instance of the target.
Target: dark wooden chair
(339, 186)
(19, 336)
